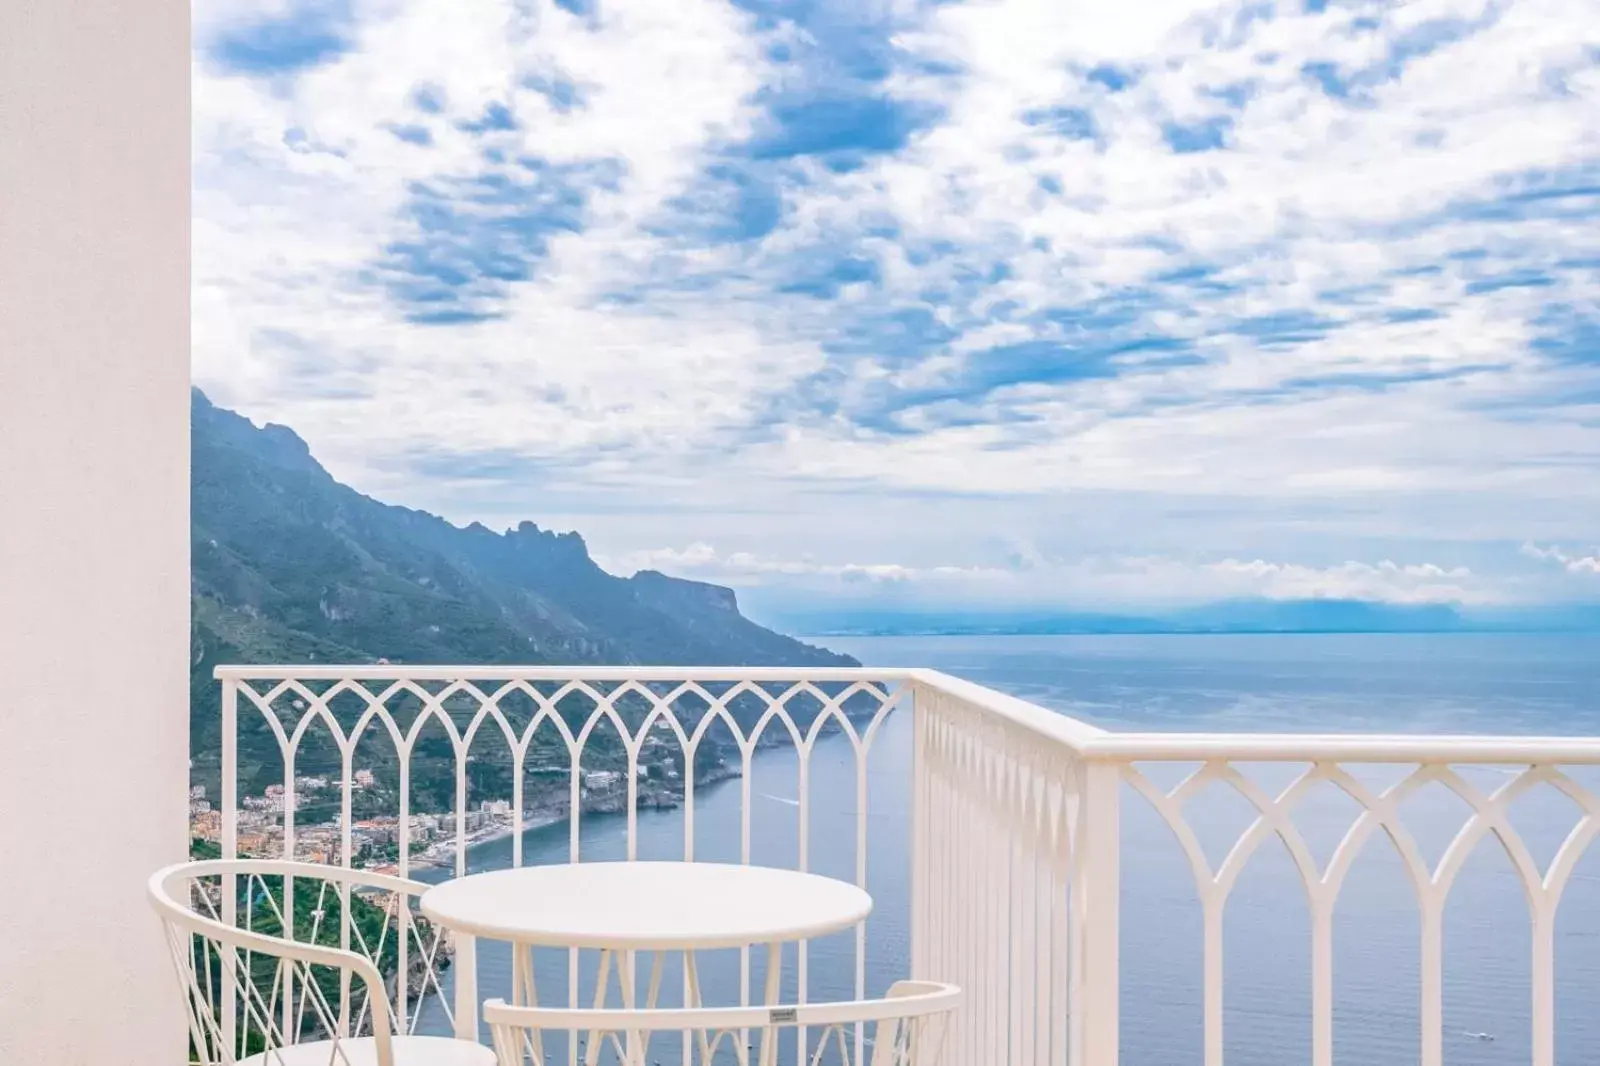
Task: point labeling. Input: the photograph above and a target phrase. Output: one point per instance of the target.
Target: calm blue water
(1423, 684)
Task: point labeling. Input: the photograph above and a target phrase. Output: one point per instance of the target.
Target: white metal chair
(297, 964)
(905, 1028)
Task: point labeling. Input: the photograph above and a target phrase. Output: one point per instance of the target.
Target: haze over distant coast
(1232, 616)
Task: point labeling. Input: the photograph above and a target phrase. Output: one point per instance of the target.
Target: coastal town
(377, 838)
(429, 838)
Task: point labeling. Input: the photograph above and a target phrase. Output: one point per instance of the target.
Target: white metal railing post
(1096, 899)
(920, 931)
(229, 844)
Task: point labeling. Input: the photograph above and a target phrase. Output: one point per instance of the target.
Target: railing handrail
(1088, 741)
(438, 672)
(1073, 732)
(1353, 748)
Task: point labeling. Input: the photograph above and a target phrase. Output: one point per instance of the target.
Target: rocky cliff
(289, 565)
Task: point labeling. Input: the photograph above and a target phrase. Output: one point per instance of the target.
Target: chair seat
(408, 1051)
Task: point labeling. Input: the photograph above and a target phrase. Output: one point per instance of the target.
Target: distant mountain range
(290, 566)
(1232, 616)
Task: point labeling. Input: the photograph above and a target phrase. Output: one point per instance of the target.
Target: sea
(1526, 685)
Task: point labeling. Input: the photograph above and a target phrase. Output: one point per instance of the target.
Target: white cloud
(1384, 581)
(1571, 562)
(1033, 580)
(742, 567)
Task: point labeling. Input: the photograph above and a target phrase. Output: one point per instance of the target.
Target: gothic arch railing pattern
(1379, 810)
(742, 710)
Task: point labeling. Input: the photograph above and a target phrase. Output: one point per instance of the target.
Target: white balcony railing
(992, 832)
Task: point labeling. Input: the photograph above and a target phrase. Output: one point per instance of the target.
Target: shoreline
(441, 853)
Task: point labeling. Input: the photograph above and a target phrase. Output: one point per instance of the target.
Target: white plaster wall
(94, 501)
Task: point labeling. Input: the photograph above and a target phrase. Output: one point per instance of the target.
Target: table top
(648, 906)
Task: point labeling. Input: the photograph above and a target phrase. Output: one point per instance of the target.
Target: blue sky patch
(1203, 136)
(837, 40)
(495, 117)
(1516, 279)
(829, 100)
(1073, 123)
(1412, 314)
(1376, 381)
(1235, 94)
(966, 396)
(472, 238)
(1199, 281)
(1415, 43)
(1569, 195)
(564, 94)
(306, 35)
(1285, 327)
(1114, 79)
(413, 134)
(847, 124)
(826, 283)
(731, 202)
(1428, 37)
(899, 335)
(1037, 362)
(429, 99)
(1569, 335)
(585, 9)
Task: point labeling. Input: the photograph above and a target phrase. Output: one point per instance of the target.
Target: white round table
(629, 907)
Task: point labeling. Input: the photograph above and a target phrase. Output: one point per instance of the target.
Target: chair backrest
(905, 1028)
(271, 954)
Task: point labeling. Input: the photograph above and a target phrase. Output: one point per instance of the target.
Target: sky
(991, 304)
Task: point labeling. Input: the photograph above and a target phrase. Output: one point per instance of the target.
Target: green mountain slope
(291, 566)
